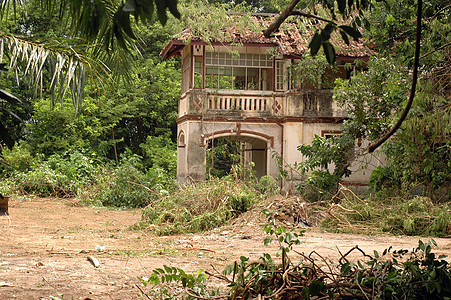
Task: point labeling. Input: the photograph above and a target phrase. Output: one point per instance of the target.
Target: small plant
(194, 285)
(286, 238)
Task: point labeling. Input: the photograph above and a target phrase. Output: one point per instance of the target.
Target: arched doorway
(225, 150)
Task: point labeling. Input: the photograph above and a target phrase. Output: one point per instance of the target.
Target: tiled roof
(291, 41)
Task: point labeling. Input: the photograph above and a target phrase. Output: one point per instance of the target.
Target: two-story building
(241, 89)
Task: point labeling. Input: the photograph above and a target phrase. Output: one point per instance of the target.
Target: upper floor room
(245, 63)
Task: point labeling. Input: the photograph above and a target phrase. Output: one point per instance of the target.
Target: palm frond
(58, 63)
(106, 22)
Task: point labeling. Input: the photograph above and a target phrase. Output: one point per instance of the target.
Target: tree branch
(282, 17)
(435, 50)
(374, 146)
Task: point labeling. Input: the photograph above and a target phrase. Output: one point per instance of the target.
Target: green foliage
(308, 72)
(17, 159)
(420, 154)
(384, 178)
(398, 274)
(422, 275)
(59, 175)
(195, 284)
(226, 153)
(267, 186)
(393, 274)
(286, 238)
(199, 207)
(373, 97)
(322, 155)
(160, 152)
(128, 185)
(207, 21)
(94, 180)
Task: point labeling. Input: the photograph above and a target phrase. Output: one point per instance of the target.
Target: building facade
(244, 90)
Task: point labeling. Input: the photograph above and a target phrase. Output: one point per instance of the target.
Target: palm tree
(99, 44)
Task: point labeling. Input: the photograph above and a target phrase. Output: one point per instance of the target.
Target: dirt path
(44, 250)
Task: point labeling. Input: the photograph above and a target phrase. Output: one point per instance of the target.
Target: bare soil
(45, 244)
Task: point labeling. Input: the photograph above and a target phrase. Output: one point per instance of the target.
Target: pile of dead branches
(392, 275)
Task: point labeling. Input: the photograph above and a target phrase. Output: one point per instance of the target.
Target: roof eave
(172, 48)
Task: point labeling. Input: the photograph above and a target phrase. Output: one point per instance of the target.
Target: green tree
(100, 39)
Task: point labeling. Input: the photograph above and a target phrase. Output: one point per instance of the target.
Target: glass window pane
(239, 78)
(252, 79)
(266, 79)
(225, 82)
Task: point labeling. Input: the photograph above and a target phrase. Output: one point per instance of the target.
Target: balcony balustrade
(269, 104)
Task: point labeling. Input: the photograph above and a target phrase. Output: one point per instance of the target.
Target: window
(185, 73)
(198, 72)
(238, 72)
(330, 133)
(279, 75)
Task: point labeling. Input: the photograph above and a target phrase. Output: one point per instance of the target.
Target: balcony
(259, 104)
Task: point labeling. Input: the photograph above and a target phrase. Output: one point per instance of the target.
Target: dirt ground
(45, 244)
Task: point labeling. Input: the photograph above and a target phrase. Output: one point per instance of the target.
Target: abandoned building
(240, 89)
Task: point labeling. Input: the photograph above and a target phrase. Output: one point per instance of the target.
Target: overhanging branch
(374, 146)
(280, 19)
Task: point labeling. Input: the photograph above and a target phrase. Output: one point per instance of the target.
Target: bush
(160, 152)
(267, 185)
(18, 159)
(58, 176)
(384, 178)
(43, 181)
(127, 185)
(319, 185)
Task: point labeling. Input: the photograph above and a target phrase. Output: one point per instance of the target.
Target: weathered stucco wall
(191, 156)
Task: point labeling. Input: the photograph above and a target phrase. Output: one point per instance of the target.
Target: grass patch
(415, 216)
(199, 207)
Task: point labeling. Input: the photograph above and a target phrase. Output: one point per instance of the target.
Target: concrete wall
(191, 156)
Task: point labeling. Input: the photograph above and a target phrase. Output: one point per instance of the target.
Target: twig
(219, 276)
(147, 296)
(356, 247)
(195, 249)
(435, 50)
(190, 293)
(345, 188)
(329, 211)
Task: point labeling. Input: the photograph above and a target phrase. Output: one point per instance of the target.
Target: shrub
(128, 185)
(266, 185)
(160, 152)
(18, 159)
(384, 178)
(59, 175)
(43, 181)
